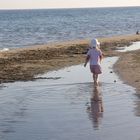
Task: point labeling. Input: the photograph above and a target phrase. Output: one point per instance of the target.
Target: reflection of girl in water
(96, 108)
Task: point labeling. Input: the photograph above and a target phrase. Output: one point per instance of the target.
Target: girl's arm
(101, 57)
(86, 61)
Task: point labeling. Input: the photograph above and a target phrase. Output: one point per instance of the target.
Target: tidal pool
(133, 47)
(70, 107)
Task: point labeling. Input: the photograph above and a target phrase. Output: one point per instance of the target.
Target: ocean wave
(4, 50)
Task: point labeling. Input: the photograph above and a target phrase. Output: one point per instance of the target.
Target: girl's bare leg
(95, 78)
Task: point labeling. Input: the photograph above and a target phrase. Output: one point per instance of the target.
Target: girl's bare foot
(96, 83)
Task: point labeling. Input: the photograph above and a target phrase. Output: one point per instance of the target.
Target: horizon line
(67, 8)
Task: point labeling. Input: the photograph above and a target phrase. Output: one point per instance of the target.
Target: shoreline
(128, 69)
(25, 63)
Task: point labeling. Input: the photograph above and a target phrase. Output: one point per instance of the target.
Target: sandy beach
(128, 68)
(24, 64)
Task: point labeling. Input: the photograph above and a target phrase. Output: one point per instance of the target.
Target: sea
(24, 28)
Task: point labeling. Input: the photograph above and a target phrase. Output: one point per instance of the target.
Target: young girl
(95, 56)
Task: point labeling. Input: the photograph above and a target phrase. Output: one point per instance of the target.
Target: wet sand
(65, 107)
(24, 64)
(128, 68)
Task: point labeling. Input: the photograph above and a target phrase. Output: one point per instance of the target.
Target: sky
(35, 4)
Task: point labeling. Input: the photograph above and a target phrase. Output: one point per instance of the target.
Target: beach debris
(137, 81)
(111, 71)
(115, 81)
(52, 78)
(88, 108)
(137, 32)
(87, 103)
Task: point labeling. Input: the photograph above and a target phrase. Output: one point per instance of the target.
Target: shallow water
(70, 107)
(133, 47)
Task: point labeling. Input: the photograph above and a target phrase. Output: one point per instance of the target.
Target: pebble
(115, 81)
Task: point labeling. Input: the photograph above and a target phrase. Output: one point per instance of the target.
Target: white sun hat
(94, 43)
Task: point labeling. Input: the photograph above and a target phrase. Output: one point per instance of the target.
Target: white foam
(4, 50)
